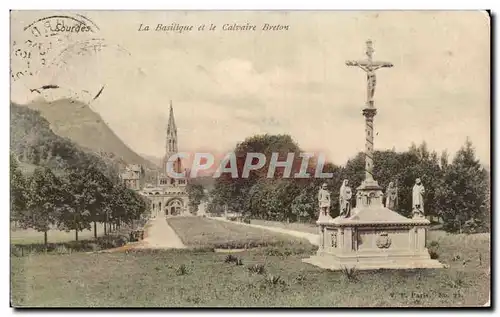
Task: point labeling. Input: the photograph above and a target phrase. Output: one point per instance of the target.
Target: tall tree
(464, 199)
(45, 201)
(80, 198)
(195, 194)
(17, 190)
(99, 188)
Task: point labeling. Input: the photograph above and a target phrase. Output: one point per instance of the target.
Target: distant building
(132, 176)
(168, 196)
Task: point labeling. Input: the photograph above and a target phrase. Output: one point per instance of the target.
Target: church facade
(168, 196)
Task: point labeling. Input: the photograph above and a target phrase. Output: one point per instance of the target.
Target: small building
(132, 176)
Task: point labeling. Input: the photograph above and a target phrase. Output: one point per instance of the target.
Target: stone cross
(369, 66)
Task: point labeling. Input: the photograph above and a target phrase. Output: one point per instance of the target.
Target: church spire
(171, 128)
(171, 137)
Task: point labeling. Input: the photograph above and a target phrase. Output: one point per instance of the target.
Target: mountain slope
(34, 144)
(76, 121)
(155, 160)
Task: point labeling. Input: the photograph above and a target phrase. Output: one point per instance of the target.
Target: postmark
(42, 54)
(41, 39)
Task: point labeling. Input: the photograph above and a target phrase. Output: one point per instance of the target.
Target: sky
(229, 85)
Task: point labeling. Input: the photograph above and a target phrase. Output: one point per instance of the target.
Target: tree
(195, 194)
(464, 198)
(135, 205)
(99, 188)
(116, 206)
(17, 190)
(79, 197)
(45, 201)
(305, 206)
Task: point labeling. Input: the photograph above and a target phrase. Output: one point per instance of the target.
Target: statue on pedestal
(324, 201)
(345, 199)
(391, 197)
(418, 199)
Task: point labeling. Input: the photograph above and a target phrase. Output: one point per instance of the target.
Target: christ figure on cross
(369, 66)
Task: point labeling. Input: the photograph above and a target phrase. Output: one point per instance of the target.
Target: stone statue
(391, 196)
(345, 199)
(324, 201)
(369, 66)
(418, 199)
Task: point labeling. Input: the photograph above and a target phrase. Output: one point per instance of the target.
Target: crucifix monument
(371, 236)
(369, 66)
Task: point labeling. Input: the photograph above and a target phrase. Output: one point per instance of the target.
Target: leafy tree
(465, 197)
(135, 205)
(305, 206)
(45, 201)
(116, 206)
(17, 190)
(99, 188)
(458, 192)
(195, 195)
(80, 198)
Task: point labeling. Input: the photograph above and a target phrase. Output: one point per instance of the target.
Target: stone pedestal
(374, 237)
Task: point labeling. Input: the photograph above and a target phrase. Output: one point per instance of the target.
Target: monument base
(374, 237)
(373, 261)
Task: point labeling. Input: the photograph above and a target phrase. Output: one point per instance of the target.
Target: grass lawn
(297, 226)
(30, 236)
(205, 232)
(187, 278)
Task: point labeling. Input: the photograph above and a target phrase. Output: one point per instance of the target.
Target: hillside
(34, 144)
(153, 159)
(76, 121)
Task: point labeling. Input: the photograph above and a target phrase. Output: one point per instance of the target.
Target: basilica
(168, 196)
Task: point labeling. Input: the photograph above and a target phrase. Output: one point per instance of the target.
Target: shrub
(433, 249)
(433, 244)
(16, 251)
(350, 273)
(275, 280)
(95, 247)
(62, 249)
(230, 258)
(300, 278)
(272, 251)
(257, 269)
(434, 255)
(472, 226)
(239, 261)
(181, 270)
(457, 281)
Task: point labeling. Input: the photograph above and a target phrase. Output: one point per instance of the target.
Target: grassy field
(186, 278)
(297, 226)
(205, 232)
(30, 236)
(261, 277)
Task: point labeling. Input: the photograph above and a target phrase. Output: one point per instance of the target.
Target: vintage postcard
(250, 159)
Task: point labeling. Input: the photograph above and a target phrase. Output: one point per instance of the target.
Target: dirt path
(312, 238)
(160, 235)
